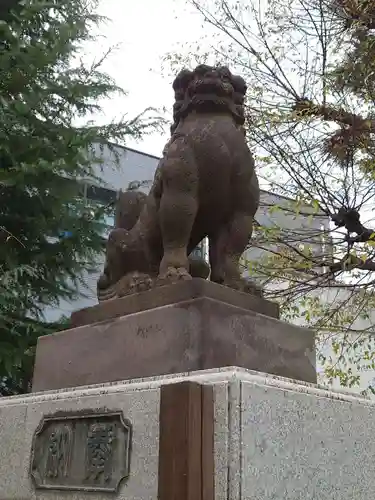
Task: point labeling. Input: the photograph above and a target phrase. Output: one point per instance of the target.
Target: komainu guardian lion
(205, 186)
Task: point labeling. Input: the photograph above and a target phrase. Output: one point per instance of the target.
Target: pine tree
(48, 237)
(352, 80)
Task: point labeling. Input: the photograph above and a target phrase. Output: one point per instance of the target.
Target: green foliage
(48, 235)
(8, 7)
(18, 331)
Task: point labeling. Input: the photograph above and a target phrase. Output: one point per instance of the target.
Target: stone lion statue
(204, 186)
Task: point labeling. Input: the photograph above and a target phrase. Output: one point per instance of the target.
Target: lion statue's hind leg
(230, 241)
(226, 248)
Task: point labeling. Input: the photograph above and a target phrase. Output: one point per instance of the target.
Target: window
(200, 251)
(109, 221)
(197, 253)
(100, 194)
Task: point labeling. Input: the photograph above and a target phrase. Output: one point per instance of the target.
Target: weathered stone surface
(172, 294)
(300, 443)
(88, 451)
(274, 438)
(205, 185)
(140, 408)
(14, 456)
(195, 334)
(139, 402)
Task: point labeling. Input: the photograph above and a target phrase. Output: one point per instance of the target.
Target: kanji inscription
(88, 452)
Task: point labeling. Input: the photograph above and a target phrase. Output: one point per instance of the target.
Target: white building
(128, 168)
(120, 169)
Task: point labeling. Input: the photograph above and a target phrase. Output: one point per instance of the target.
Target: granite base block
(14, 455)
(301, 444)
(273, 437)
(197, 334)
(139, 401)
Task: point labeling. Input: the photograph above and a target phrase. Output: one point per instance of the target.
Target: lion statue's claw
(173, 275)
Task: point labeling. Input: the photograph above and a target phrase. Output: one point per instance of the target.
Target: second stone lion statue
(205, 186)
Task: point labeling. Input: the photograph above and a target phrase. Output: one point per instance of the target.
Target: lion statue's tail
(128, 209)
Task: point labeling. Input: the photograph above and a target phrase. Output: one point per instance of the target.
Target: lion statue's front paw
(173, 275)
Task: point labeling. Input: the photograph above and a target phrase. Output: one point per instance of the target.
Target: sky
(143, 32)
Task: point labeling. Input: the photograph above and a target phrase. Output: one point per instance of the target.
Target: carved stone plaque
(86, 451)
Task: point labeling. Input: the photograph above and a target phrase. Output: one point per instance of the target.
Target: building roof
(142, 153)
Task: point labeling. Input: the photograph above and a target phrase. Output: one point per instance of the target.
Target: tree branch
(306, 107)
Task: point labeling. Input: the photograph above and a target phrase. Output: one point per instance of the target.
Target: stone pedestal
(193, 325)
(229, 434)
